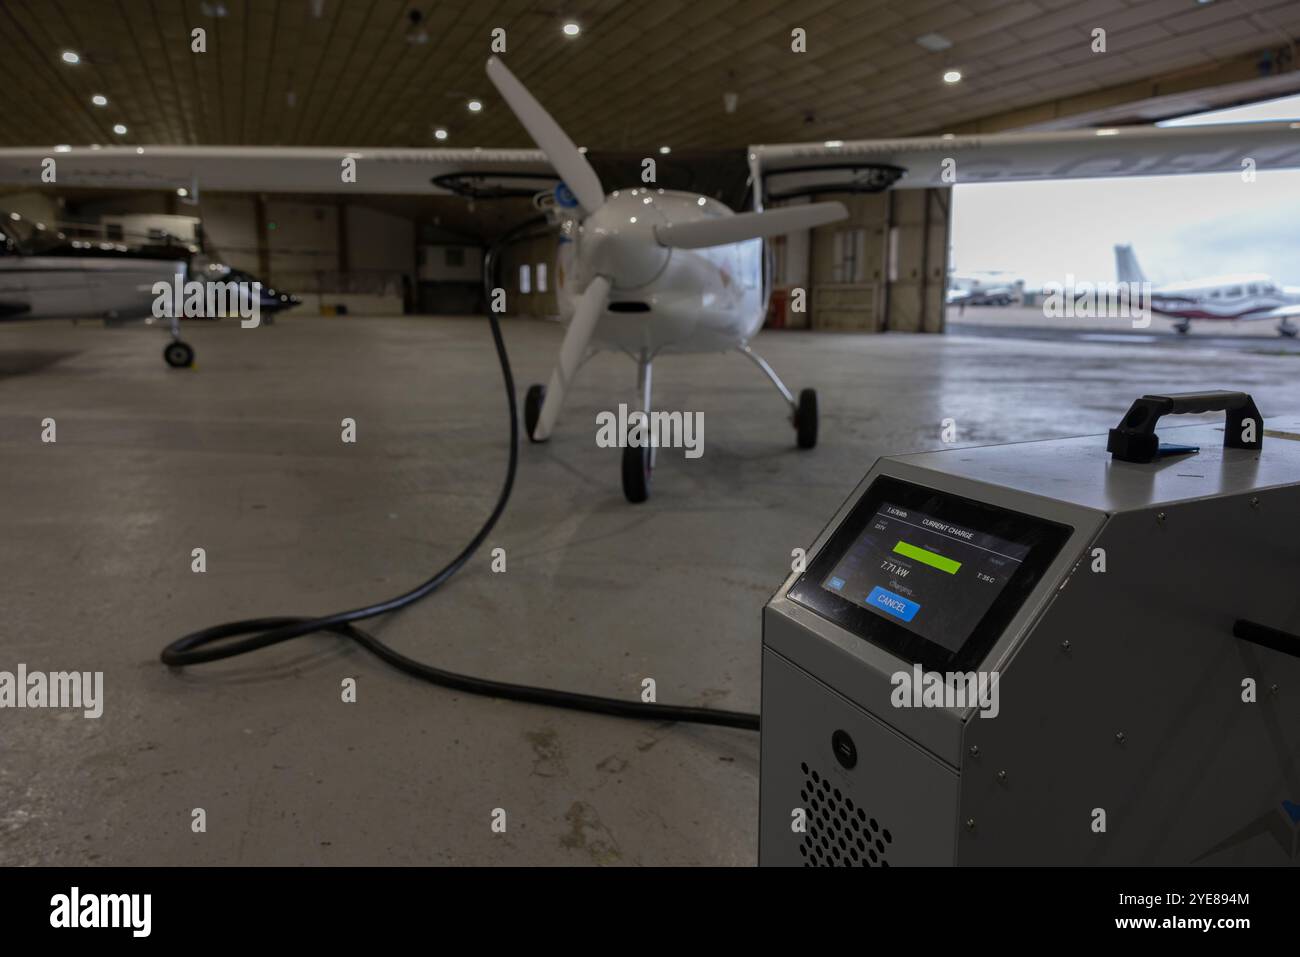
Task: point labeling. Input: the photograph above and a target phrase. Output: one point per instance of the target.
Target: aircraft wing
(803, 169)
(281, 169)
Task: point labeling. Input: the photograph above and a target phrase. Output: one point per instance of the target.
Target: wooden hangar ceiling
(641, 74)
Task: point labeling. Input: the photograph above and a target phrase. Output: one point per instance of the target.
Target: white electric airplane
(648, 271)
(1244, 298)
(651, 272)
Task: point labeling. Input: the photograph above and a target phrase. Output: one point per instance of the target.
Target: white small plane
(984, 289)
(649, 271)
(40, 280)
(646, 271)
(1244, 298)
(47, 273)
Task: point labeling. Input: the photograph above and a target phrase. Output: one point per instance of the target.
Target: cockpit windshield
(24, 237)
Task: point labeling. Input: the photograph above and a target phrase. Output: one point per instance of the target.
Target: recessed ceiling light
(70, 57)
(833, 144)
(474, 106)
(701, 201)
(119, 129)
(99, 99)
(62, 148)
(665, 150)
(632, 219)
(1107, 132)
(934, 42)
(952, 76)
(15, 217)
(139, 150)
(582, 149)
(182, 192)
(572, 29)
(947, 136)
(440, 134)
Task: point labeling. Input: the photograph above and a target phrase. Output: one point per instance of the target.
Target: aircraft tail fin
(1126, 265)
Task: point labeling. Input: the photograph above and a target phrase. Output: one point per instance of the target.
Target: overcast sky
(1182, 227)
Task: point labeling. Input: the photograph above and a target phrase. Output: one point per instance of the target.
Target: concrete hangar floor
(242, 457)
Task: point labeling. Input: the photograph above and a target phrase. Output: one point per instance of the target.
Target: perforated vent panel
(840, 833)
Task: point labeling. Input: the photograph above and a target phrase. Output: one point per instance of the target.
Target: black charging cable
(201, 646)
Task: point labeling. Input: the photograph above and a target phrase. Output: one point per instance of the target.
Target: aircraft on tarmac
(650, 272)
(984, 289)
(1244, 298)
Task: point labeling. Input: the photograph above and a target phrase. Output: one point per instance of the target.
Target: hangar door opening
(1141, 261)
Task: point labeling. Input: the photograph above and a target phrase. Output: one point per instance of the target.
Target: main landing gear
(638, 461)
(1287, 328)
(803, 413)
(178, 354)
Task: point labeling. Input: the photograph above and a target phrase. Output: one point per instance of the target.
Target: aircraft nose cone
(630, 260)
(620, 241)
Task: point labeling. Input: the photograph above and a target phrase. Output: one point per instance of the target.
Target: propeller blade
(547, 134)
(590, 305)
(698, 233)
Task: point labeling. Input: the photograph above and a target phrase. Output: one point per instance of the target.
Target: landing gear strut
(803, 413)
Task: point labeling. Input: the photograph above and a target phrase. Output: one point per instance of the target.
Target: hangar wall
(884, 269)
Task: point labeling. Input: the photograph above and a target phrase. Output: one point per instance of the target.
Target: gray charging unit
(1139, 604)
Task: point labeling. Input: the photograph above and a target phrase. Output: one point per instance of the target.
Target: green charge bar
(929, 558)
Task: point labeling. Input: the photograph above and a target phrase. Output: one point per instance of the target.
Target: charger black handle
(1135, 439)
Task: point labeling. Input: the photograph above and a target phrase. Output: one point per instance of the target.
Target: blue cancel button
(895, 605)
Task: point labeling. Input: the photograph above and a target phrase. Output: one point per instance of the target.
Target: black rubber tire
(533, 400)
(636, 473)
(178, 355)
(805, 419)
(1182, 328)
(1287, 333)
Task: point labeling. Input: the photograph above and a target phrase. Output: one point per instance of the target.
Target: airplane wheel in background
(636, 473)
(178, 355)
(805, 419)
(533, 408)
(1288, 330)
(1182, 327)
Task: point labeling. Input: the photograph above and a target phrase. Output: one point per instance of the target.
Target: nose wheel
(179, 355)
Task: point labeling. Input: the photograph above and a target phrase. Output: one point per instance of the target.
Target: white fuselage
(71, 287)
(661, 300)
(1229, 297)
